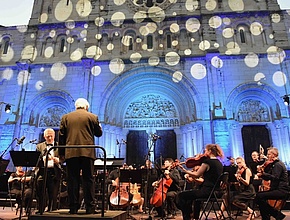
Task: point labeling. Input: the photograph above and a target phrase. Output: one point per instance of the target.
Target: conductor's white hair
(82, 103)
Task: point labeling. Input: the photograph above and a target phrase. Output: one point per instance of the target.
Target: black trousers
(26, 196)
(265, 209)
(170, 204)
(75, 179)
(52, 189)
(186, 199)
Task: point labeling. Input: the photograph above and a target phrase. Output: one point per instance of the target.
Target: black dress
(245, 193)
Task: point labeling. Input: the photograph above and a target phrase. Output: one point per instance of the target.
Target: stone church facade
(190, 71)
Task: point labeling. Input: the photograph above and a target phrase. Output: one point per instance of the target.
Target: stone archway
(137, 83)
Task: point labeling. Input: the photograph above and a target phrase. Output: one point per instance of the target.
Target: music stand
(24, 159)
(131, 176)
(3, 166)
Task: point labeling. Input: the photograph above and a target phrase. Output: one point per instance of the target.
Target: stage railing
(75, 146)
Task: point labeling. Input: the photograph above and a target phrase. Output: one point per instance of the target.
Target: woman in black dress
(246, 190)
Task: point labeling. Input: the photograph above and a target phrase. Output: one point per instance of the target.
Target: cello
(134, 190)
(162, 187)
(120, 197)
(159, 194)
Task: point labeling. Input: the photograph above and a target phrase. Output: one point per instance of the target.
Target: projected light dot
(48, 52)
(251, 60)
(117, 19)
(279, 79)
(210, 5)
(198, 71)
(77, 54)
(139, 16)
(58, 71)
(7, 74)
(8, 56)
(135, 57)
(96, 70)
(39, 85)
(177, 76)
(99, 21)
(83, 8)
(153, 61)
(70, 24)
(43, 18)
(23, 77)
(192, 25)
(215, 21)
(236, 5)
(63, 10)
(259, 76)
(217, 62)
(116, 66)
(191, 5)
(172, 58)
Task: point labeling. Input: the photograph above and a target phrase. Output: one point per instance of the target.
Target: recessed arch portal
(264, 93)
(262, 105)
(59, 102)
(139, 82)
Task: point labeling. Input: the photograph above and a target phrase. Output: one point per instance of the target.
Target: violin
(261, 168)
(195, 161)
(240, 171)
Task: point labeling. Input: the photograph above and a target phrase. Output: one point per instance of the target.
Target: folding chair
(5, 190)
(218, 196)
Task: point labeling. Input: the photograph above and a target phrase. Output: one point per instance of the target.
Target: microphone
(20, 141)
(32, 140)
(117, 142)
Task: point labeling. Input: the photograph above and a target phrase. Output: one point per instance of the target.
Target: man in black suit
(274, 170)
(79, 128)
(53, 171)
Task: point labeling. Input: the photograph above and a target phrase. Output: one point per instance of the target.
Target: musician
(16, 181)
(245, 190)
(276, 172)
(149, 175)
(53, 172)
(253, 166)
(169, 172)
(192, 182)
(148, 165)
(232, 170)
(211, 168)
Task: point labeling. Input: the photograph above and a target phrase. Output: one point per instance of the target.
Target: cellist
(275, 171)
(170, 179)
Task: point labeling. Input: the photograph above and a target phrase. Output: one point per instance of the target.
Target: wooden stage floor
(8, 214)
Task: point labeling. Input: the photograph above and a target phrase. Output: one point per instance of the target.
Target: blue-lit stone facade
(204, 69)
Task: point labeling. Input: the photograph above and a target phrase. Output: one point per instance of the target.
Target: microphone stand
(1, 156)
(162, 188)
(148, 169)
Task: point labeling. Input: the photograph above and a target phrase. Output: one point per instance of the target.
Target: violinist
(211, 168)
(275, 171)
(245, 190)
(18, 180)
(192, 182)
(173, 174)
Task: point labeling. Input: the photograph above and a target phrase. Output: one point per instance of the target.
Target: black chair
(4, 190)
(218, 196)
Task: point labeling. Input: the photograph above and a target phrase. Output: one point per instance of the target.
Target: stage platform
(63, 214)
